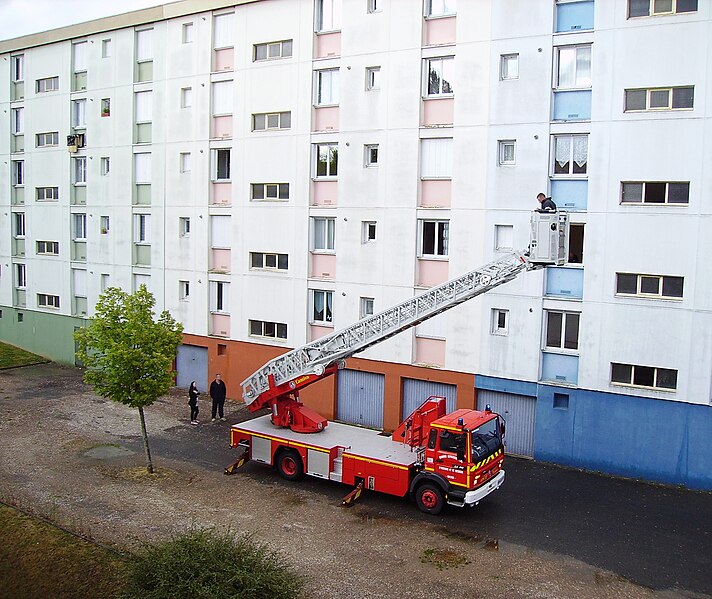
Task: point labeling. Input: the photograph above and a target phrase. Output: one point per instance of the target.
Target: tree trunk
(149, 463)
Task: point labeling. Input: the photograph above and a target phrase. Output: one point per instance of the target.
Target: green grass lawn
(14, 356)
(39, 560)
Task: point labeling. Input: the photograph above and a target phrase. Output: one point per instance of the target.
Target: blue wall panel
(572, 105)
(561, 368)
(570, 194)
(564, 282)
(574, 16)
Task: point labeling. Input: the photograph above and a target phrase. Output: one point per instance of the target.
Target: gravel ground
(77, 459)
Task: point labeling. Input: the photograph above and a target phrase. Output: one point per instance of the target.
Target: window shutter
(79, 282)
(436, 158)
(224, 35)
(80, 57)
(220, 231)
(144, 107)
(222, 97)
(144, 44)
(142, 167)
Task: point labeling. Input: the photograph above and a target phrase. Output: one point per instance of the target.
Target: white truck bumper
(474, 497)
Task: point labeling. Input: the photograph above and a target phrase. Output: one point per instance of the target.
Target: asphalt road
(658, 537)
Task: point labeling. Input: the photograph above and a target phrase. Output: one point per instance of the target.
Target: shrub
(206, 564)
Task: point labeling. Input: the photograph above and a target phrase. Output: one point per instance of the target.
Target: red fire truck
(434, 457)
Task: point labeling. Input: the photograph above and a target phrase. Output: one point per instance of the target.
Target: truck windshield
(485, 440)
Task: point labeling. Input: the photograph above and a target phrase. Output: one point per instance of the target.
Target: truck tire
(289, 464)
(430, 499)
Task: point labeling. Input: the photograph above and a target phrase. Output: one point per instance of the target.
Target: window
(142, 223)
(79, 57)
(500, 321)
(105, 107)
(142, 168)
(439, 76)
(365, 307)
(503, 237)
(373, 78)
(79, 227)
(105, 166)
(18, 173)
(326, 160)
(644, 376)
(651, 192)
(266, 261)
(506, 152)
(222, 98)
(323, 234)
(79, 117)
(271, 120)
(328, 15)
(144, 106)
(105, 48)
(221, 164)
(652, 286)
(186, 97)
(220, 234)
(436, 158)
(326, 87)
(272, 330)
(322, 304)
(104, 224)
(370, 155)
(47, 301)
(79, 170)
(47, 139)
(509, 66)
(375, 6)
(104, 282)
(47, 194)
(185, 162)
(562, 330)
(184, 290)
(647, 8)
(224, 31)
(272, 50)
(18, 225)
(269, 191)
(17, 123)
(576, 237)
(660, 98)
(144, 45)
(440, 8)
(184, 226)
(573, 67)
(187, 33)
(219, 296)
(139, 280)
(50, 84)
(20, 276)
(17, 68)
(368, 231)
(434, 238)
(570, 154)
(48, 247)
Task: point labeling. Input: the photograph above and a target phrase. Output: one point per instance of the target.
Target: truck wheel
(430, 499)
(289, 464)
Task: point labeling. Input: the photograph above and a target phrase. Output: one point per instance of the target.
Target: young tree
(127, 353)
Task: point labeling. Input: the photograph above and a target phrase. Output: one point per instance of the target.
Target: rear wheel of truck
(430, 499)
(289, 464)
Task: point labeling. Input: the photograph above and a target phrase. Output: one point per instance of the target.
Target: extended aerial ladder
(277, 384)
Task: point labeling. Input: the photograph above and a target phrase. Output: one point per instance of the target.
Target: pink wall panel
(439, 111)
(222, 127)
(324, 193)
(224, 60)
(435, 193)
(323, 266)
(222, 193)
(326, 119)
(327, 44)
(220, 324)
(440, 31)
(432, 272)
(220, 260)
(429, 351)
(316, 331)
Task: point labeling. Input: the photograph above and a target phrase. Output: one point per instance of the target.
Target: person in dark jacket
(193, 394)
(218, 392)
(546, 204)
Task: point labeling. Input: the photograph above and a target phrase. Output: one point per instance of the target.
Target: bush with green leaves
(206, 564)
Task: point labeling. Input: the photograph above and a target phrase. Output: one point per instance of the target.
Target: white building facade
(274, 170)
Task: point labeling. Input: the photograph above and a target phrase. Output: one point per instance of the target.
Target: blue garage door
(360, 398)
(519, 412)
(415, 392)
(192, 365)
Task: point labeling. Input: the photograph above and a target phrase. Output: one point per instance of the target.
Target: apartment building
(274, 170)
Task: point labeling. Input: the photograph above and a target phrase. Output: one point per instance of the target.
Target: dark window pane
(270, 329)
(572, 331)
(223, 164)
(553, 329)
(452, 441)
(321, 161)
(261, 52)
(274, 50)
(258, 122)
(271, 260)
(626, 284)
(678, 193)
(655, 193)
(686, 5)
(255, 327)
(442, 239)
(683, 97)
(660, 98)
(433, 80)
(644, 376)
(285, 120)
(283, 261)
(428, 238)
(282, 331)
(580, 168)
(287, 48)
(667, 378)
(284, 191)
(258, 191)
(635, 99)
(273, 121)
(329, 296)
(650, 285)
(501, 319)
(638, 8)
(256, 260)
(632, 192)
(272, 191)
(333, 161)
(672, 286)
(662, 6)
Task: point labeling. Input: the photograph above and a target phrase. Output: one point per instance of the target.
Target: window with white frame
(142, 168)
(20, 276)
(562, 330)
(655, 192)
(79, 57)
(366, 305)
(45, 300)
(106, 48)
(43, 140)
(220, 237)
(79, 227)
(440, 8)
(500, 322)
(18, 225)
(634, 375)
(270, 192)
(105, 107)
(144, 45)
(374, 6)
(507, 152)
(373, 78)
(48, 247)
(509, 66)
(272, 50)
(144, 106)
(184, 290)
(370, 152)
(47, 194)
(573, 67)
(224, 31)
(321, 306)
(222, 98)
(323, 234)
(651, 8)
(105, 165)
(219, 299)
(434, 238)
(48, 84)
(570, 154)
(650, 286)
(185, 160)
(104, 224)
(328, 15)
(186, 97)
(142, 223)
(271, 121)
(326, 87)
(18, 173)
(184, 226)
(269, 261)
(79, 282)
(17, 121)
(17, 68)
(104, 282)
(271, 330)
(221, 164)
(439, 76)
(326, 160)
(187, 33)
(79, 170)
(368, 231)
(436, 158)
(660, 98)
(503, 237)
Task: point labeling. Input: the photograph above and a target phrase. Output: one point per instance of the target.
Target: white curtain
(79, 282)
(580, 151)
(222, 97)
(144, 107)
(328, 87)
(562, 152)
(329, 15)
(142, 167)
(80, 57)
(436, 158)
(144, 44)
(224, 31)
(220, 232)
(18, 120)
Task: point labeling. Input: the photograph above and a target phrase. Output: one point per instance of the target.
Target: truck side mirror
(501, 428)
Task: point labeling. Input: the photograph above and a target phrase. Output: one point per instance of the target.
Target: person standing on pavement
(193, 394)
(218, 392)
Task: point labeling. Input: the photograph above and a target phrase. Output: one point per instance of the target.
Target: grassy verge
(11, 356)
(39, 560)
